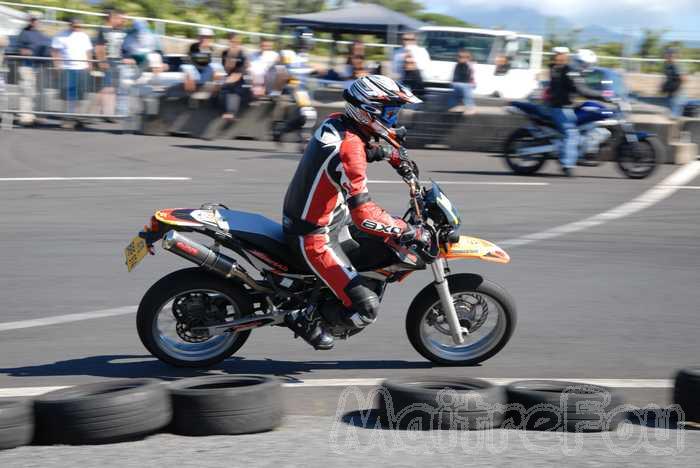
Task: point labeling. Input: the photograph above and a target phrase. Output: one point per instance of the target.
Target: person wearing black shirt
(108, 50)
(233, 92)
(564, 84)
(31, 43)
(672, 83)
(412, 77)
(463, 83)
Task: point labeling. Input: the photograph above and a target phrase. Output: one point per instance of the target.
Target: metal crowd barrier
(44, 86)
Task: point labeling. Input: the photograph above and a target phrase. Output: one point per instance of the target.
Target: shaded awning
(356, 18)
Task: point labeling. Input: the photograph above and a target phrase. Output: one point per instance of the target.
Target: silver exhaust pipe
(203, 256)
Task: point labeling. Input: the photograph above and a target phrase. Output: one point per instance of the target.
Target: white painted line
(58, 319)
(688, 187)
(654, 195)
(614, 383)
(465, 182)
(49, 179)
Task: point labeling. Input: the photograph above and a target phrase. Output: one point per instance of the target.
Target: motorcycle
(199, 316)
(528, 148)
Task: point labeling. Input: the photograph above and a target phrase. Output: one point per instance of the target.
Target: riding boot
(309, 329)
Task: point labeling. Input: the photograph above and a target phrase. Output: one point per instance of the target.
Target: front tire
(467, 291)
(522, 165)
(190, 351)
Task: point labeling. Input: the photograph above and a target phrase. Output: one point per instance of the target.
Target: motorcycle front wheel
(483, 307)
(523, 165)
(185, 300)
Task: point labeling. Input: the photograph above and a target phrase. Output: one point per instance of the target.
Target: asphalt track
(615, 301)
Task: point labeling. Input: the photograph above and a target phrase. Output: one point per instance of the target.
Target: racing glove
(415, 237)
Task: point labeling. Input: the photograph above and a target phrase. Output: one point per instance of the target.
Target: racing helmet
(585, 58)
(374, 102)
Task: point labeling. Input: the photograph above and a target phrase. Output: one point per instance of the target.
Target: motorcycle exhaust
(205, 257)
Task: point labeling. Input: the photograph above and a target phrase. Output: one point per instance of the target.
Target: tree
(651, 43)
(407, 7)
(442, 20)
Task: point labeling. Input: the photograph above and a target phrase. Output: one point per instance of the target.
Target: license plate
(135, 252)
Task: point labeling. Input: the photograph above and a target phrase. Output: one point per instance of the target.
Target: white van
(524, 53)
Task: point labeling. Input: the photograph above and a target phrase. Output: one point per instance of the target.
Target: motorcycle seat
(264, 238)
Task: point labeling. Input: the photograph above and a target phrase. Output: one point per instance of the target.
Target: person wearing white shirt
(260, 64)
(419, 54)
(72, 52)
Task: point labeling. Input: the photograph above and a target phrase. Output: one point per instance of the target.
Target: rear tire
(16, 423)
(175, 284)
(515, 163)
(639, 161)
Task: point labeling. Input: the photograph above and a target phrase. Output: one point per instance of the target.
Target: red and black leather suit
(328, 189)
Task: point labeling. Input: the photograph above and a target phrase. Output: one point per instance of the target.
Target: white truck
(523, 53)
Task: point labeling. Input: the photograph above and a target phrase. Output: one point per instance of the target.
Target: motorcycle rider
(565, 82)
(329, 191)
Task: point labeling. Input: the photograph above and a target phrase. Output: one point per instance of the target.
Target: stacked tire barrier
(125, 410)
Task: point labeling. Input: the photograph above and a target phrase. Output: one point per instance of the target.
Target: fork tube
(448, 307)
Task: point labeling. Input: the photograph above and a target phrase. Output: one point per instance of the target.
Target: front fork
(448, 306)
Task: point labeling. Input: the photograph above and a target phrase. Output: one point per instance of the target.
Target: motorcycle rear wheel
(155, 310)
(638, 160)
(479, 345)
(522, 166)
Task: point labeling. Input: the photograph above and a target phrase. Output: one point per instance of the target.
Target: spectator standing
(72, 52)
(412, 76)
(31, 43)
(235, 65)
(673, 83)
(142, 47)
(109, 52)
(260, 64)
(410, 45)
(463, 84)
(357, 68)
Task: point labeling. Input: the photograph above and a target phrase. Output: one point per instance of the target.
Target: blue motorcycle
(529, 147)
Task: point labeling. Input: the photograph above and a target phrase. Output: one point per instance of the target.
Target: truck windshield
(444, 45)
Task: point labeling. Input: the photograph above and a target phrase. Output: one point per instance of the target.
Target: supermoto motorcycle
(199, 316)
(529, 147)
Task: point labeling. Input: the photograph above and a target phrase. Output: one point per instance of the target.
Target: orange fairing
(471, 247)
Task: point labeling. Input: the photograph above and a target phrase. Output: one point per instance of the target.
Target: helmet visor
(390, 115)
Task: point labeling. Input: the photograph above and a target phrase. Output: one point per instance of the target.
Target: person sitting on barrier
(72, 52)
(235, 63)
(565, 82)
(260, 65)
(412, 76)
(329, 192)
(410, 46)
(108, 50)
(31, 42)
(463, 84)
(202, 69)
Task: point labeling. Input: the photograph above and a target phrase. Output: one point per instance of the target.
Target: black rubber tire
(686, 393)
(16, 423)
(657, 152)
(442, 403)
(235, 404)
(177, 282)
(542, 402)
(462, 282)
(103, 412)
(512, 163)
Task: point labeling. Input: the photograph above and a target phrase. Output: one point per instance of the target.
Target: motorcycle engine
(593, 139)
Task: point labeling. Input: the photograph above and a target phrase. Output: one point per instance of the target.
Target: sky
(621, 15)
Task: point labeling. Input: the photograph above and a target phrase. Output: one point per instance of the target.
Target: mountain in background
(528, 20)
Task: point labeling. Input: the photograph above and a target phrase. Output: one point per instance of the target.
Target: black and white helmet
(374, 102)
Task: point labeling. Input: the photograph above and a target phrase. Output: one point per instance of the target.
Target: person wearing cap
(31, 43)
(672, 83)
(564, 84)
(72, 52)
(201, 69)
